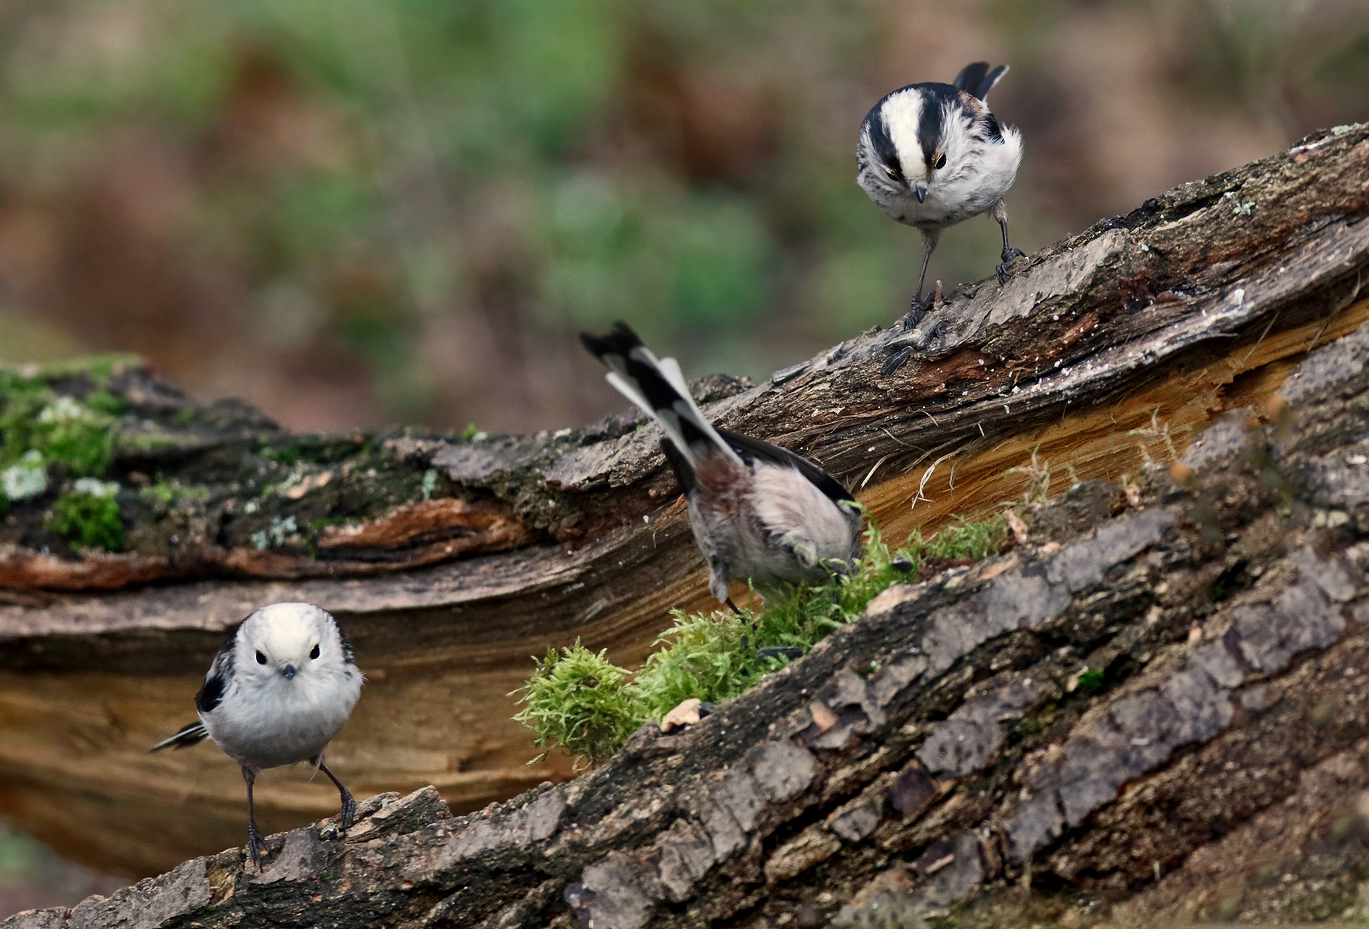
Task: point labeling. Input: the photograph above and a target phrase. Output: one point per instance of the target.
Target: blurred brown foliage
(354, 213)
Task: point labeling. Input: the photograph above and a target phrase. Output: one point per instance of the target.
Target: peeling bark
(944, 745)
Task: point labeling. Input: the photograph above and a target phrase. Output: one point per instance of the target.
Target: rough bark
(940, 745)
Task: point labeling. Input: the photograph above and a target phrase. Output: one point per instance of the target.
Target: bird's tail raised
(192, 734)
(657, 386)
(977, 79)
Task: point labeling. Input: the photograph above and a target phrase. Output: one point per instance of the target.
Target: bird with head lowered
(759, 513)
(932, 155)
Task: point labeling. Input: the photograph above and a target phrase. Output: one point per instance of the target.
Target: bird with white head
(277, 693)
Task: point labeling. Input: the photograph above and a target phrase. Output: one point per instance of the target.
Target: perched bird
(759, 513)
(277, 692)
(931, 155)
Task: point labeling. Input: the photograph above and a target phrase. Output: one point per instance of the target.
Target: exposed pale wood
(1134, 334)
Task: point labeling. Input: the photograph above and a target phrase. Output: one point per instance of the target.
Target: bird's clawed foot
(348, 814)
(895, 360)
(787, 652)
(917, 309)
(1009, 256)
(256, 846)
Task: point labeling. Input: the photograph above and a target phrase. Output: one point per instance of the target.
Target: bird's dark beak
(288, 672)
(920, 191)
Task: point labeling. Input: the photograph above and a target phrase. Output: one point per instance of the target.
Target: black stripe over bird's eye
(931, 122)
(884, 147)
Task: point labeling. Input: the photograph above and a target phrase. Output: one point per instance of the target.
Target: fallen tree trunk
(1103, 352)
(1160, 685)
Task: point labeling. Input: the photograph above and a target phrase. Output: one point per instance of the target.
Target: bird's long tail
(977, 79)
(192, 734)
(657, 386)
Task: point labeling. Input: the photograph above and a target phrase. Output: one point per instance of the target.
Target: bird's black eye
(939, 160)
(261, 659)
(313, 652)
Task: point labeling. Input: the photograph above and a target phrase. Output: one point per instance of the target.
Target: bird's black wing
(348, 655)
(977, 79)
(990, 130)
(751, 449)
(215, 682)
(218, 678)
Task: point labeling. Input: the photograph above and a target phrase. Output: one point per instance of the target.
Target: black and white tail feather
(977, 78)
(759, 513)
(193, 734)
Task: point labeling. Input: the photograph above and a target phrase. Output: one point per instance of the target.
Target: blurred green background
(352, 213)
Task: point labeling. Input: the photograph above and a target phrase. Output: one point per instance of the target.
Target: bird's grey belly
(281, 745)
(931, 214)
(267, 733)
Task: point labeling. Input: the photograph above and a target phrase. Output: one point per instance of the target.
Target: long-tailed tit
(277, 692)
(931, 155)
(759, 513)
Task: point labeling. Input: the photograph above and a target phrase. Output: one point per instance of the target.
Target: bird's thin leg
(1010, 254)
(919, 307)
(348, 813)
(929, 240)
(718, 584)
(256, 845)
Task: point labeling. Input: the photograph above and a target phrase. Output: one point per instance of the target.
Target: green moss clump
(72, 435)
(287, 456)
(963, 540)
(105, 402)
(89, 518)
(168, 495)
(162, 492)
(713, 656)
(1090, 679)
(581, 702)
